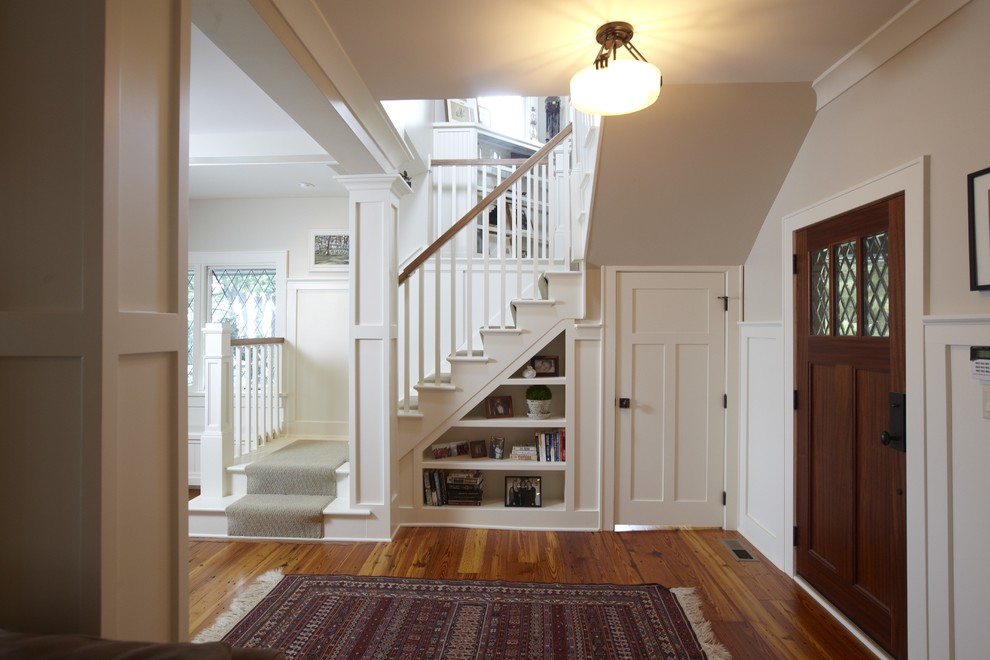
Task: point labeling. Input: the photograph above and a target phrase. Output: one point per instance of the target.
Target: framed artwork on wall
(979, 230)
(462, 110)
(330, 250)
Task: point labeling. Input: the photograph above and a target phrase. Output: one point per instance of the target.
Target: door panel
(671, 365)
(849, 345)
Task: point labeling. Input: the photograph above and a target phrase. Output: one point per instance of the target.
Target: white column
(374, 212)
(216, 445)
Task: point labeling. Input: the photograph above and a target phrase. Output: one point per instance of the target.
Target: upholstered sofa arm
(18, 646)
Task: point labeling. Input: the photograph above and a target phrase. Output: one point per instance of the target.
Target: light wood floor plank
(755, 610)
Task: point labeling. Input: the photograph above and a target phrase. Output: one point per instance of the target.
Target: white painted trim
(909, 25)
(940, 334)
(837, 614)
(773, 543)
(912, 179)
(733, 289)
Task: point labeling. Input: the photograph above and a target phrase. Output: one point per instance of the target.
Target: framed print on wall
(330, 250)
(464, 110)
(979, 230)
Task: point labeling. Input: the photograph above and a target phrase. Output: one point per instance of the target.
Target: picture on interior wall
(979, 230)
(523, 491)
(464, 110)
(330, 250)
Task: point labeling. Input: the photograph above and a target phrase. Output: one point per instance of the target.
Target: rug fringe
(249, 597)
(691, 604)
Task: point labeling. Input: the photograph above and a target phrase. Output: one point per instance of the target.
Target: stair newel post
(216, 445)
(373, 370)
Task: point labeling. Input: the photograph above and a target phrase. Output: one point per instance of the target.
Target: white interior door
(671, 367)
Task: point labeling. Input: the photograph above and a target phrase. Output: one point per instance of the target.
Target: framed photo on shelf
(496, 447)
(546, 365)
(478, 449)
(462, 110)
(498, 406)
(329, 250)
(979, 230)
(525, 491)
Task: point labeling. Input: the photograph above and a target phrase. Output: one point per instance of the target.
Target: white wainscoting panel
(958, 457)
(317, 327)
(762, 490)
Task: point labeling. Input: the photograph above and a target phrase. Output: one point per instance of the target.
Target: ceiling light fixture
(620, 86)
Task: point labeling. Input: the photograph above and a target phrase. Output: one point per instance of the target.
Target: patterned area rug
(332, 616)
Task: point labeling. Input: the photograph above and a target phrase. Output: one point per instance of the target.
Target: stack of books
(525, 453)
(465, 488)
(460, 488)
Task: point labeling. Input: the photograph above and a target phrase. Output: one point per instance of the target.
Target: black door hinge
(794, 264)
(723, 498)
(795, 536)
(725, 302)
(725, 401)
(795, 399)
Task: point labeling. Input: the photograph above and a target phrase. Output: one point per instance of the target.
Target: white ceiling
(713, 150)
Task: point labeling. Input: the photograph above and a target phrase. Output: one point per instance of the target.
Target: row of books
(549, 447)
(455, 487)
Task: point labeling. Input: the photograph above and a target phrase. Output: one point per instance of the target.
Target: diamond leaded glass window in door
(850, 294)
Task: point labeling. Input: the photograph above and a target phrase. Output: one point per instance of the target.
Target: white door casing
(671, 365)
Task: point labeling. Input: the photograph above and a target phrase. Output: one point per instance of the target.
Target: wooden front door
(670, 424)
(849, 374)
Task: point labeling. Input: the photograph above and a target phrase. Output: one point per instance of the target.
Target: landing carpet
(334, 616)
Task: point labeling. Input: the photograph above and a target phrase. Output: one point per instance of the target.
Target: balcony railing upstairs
(498, 224)
(243, 402)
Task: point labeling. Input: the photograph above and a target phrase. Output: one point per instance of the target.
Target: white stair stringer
(505, 350)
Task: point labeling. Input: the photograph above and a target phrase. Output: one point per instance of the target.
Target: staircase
(503, 276)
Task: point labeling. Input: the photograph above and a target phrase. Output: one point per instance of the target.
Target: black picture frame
(498, 406)
(978, 191)
(479, 449)
(546, 366)
(496, 447)
(523, 491)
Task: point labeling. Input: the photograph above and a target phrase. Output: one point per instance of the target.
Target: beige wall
(315, 308)
(931, 99)
(241, 225)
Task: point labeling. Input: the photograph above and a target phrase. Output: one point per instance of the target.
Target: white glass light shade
(623, 86)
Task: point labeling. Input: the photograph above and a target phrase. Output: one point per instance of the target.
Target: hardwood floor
(755, 610)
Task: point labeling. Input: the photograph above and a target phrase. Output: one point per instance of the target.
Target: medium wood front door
(670, 436)
(849, 371)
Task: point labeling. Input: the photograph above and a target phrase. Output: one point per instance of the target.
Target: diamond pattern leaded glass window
(846, 317)
(821, 309)
(245, 299)
(190, 319)
(876, 307)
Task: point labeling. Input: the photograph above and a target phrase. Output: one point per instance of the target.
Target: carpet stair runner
(287, 491)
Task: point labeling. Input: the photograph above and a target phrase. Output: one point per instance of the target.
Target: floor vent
(739, 550)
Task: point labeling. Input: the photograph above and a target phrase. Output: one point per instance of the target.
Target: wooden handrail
(257, 342)
(483, 204)
(448, 162)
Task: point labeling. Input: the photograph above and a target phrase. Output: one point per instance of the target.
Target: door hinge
(723, 498)
(795, 399)
(725, 302)
(794, 264)
(795, 536)
(725, 401)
